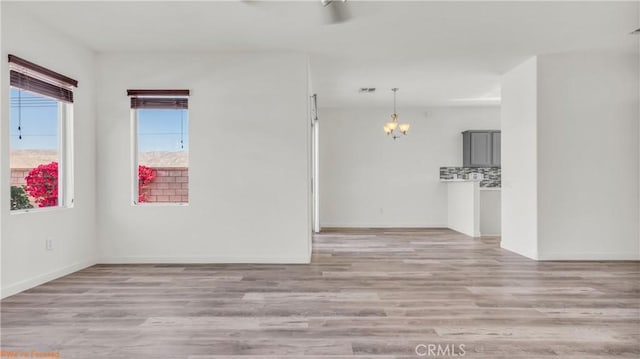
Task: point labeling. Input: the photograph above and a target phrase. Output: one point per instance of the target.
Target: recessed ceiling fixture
(367, 90)
(391, 127)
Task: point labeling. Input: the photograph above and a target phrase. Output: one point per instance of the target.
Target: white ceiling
(437, 53)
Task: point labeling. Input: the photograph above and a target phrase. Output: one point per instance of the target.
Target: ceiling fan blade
(338, 12)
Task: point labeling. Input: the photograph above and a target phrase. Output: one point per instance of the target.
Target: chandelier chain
(395, 91)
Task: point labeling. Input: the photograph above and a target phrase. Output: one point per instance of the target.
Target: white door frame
(315, 164)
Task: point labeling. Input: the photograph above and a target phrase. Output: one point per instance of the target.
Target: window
(40, 158)
(160, 126)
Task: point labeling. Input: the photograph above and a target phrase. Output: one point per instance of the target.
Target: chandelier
(393, 128)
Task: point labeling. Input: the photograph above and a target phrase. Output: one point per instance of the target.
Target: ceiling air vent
(367, 90)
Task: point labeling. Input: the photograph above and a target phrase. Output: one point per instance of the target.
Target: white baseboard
(204, 260)
(379, 226)
(470, 234)
(590, 256)
(43, 278)
(527, 254)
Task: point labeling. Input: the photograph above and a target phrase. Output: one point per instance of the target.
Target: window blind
(159, 99)
(28, 76)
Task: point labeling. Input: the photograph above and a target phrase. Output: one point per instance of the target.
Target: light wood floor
(367, 294)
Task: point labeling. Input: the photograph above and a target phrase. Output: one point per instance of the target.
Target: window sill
(40, 210)
(160, 204)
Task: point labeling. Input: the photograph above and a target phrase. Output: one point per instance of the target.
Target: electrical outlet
(49, 243)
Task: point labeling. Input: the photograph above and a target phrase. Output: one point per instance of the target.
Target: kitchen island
(473, 210)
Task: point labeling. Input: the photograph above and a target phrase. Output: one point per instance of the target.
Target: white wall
(588, 156)
(570, 123)
(25, 262)
(519, 160)
(370, 180)
(249, 154)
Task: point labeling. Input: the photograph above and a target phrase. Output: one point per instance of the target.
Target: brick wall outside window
(18, 176)
(170, 185)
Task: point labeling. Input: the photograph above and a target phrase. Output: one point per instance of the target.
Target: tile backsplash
(492, 175)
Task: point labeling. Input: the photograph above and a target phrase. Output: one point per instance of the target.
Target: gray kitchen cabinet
(495, 149)
(481, 148)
